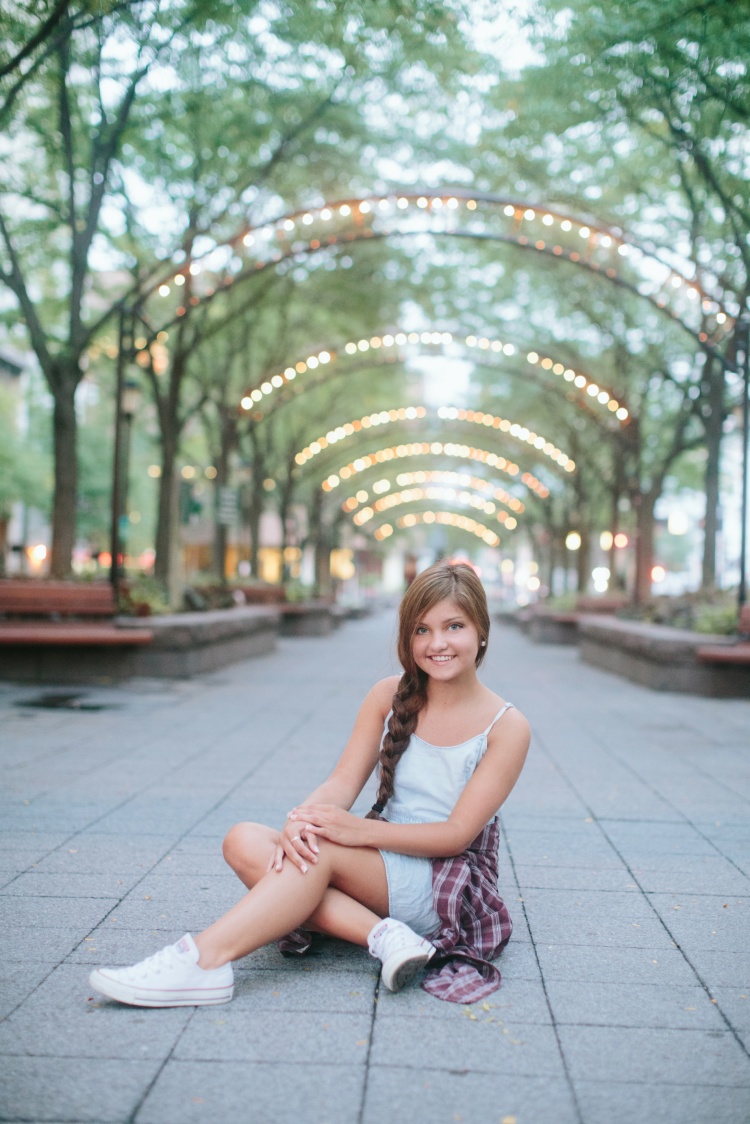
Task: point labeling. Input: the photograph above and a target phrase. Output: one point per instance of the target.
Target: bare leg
(248, 848)
(282, 900)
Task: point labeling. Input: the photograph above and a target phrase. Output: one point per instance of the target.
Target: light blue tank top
(430, 778)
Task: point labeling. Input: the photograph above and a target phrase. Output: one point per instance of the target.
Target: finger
(277, 859)
(293, 854)
(306, 810)
(310, 817)
(303, 848)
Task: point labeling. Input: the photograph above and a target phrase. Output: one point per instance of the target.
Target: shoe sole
(396, 977)
(142, 997)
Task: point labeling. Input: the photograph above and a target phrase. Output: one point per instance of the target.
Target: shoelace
(157, 963)
(392, 940)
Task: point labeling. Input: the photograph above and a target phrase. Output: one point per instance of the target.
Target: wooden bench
(59, 613)
(736, 654)
(665, 658)
(63, 632)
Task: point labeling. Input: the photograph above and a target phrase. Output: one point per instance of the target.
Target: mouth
(440, 659)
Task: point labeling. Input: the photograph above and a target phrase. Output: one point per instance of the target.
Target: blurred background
(307, 295)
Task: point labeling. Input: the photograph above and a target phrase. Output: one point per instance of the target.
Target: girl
(416, 880)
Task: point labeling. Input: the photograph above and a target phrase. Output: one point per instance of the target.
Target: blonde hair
(444, 581)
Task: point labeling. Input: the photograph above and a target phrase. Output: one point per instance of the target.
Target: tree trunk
(614, 524)
(220, 528)
(323, 586)
(551, 557)
(3, 543)
(644, 545)
(285, 507)
(583, 560)
(257, 503)
(165, 529)
(65, 430)
(220, 536)
(319, 538)
(715, 375)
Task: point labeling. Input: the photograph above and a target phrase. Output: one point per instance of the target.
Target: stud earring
(483, 644)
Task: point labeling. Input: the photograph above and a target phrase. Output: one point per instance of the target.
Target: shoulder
(383, 691)
(512, 726)
(381, 695)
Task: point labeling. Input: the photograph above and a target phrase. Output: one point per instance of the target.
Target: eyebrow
(445, 620)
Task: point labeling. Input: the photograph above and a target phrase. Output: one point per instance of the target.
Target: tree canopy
(143, 139)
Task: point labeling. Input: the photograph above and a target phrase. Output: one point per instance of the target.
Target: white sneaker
(401, 951)
(171, 978)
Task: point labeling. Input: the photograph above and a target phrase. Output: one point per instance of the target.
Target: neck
(461, 689)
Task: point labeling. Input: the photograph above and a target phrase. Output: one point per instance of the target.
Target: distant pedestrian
(416, 880)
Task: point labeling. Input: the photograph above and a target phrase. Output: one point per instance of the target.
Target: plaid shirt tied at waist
(475, 925)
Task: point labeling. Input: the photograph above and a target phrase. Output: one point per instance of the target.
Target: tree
(116, 78)
(69, 90)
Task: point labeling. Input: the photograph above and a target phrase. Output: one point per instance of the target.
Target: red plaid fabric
(475, 927)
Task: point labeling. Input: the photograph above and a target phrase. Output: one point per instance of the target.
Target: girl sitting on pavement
(416, 880)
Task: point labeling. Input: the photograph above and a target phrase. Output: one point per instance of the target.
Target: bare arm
(484, 794)
(349, 776)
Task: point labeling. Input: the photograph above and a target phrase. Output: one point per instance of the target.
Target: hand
(330, 822)
(297, 845)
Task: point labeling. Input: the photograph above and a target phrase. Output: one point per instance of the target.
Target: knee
(243, 843)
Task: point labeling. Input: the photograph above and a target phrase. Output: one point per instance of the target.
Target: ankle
(209, 958)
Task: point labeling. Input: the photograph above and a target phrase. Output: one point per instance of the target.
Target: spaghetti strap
(385, 726)
(500, 713)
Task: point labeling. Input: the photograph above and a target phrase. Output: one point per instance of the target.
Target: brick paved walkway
(626, 991)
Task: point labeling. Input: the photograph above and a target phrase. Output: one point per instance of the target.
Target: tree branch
(44, 31)
(17, 284)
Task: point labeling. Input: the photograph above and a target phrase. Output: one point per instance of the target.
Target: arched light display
(434, 448)
(436, 476)
(444, 519)
(445, 413)
(605, 251)
(436, 492)
(592, 391)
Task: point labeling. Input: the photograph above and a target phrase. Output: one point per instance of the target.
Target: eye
(420, 630)
(456, 624)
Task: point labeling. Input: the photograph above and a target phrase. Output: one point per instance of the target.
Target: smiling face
(445, 642)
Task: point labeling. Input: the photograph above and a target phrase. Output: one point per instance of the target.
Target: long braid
(409, 699)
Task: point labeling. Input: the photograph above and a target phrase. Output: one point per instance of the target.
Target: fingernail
(292, 815)
(278, 866)
(303, 868)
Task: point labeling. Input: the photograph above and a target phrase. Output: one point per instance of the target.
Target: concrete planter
(181, 645)
(546, 626)
(308, 618)
(662, 658)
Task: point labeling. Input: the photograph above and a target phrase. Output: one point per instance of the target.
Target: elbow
(458, 844)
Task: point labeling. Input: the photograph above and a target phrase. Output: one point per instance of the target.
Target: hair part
(444, 581)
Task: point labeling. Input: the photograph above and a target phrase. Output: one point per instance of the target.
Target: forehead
(447, 609)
